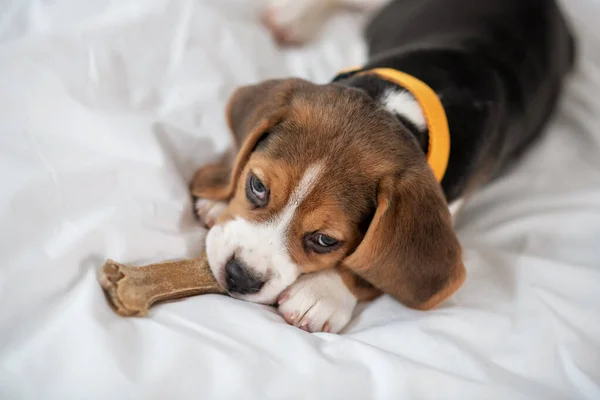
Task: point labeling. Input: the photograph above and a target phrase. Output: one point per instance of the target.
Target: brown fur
(376, 193)
(361, 289)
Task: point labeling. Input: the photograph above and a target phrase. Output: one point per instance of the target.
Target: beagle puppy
(340, 192)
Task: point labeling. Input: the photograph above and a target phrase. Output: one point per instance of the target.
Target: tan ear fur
(410, 250)
(211, 181)
(360, 288)
(251, 111)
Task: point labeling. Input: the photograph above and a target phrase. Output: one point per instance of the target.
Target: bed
(106, 109)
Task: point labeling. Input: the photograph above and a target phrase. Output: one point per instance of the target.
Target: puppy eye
(256, 193)
(320, 243)
(325, 241)
(257, 187)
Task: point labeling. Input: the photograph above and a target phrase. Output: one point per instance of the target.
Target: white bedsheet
(106, 108)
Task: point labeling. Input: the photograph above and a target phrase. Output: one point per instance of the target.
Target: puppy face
(296, 208)
(306, 190)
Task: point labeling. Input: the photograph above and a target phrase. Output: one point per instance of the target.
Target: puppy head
(326, 178)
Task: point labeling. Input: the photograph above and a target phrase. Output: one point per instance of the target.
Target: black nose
(238, 279)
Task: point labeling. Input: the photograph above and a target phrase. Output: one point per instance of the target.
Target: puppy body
(496, 65)
(330, 199)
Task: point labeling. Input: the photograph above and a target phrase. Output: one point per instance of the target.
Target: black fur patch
(497, 66)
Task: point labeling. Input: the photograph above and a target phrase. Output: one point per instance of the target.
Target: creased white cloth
(106, 108)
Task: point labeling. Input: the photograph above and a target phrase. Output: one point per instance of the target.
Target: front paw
(208, 210)
(318, 302)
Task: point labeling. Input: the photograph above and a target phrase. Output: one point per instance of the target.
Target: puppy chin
(243, 239)
(268, 294)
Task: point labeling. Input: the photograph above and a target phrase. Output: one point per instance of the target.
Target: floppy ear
(410, 250)
(252, 110)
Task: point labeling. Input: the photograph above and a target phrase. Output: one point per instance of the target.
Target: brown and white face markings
(326, 194)
(249, 253)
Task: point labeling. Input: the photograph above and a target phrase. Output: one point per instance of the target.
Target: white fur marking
(306, 185)
(262, 247)
(455, 207)
(209, 210)
(403, 103)
(317, 299)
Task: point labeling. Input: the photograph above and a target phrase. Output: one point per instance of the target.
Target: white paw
(209, 210)
(297, 21)
(318, 302)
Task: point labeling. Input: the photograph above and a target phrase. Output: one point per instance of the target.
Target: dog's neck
(415, 104)
(399, 102)
(470, 95)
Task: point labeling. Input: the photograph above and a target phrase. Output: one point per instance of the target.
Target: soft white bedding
(106, 108)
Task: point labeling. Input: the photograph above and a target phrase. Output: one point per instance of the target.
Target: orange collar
(438, 152)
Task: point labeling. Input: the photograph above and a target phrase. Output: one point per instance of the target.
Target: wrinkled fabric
(106, 109)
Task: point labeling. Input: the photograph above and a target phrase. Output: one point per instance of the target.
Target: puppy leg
(317, 302)
(294, 22)
(298, 21)
(205, 188)
(209, 210)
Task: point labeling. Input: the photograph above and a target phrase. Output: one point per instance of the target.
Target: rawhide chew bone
(132, 290)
